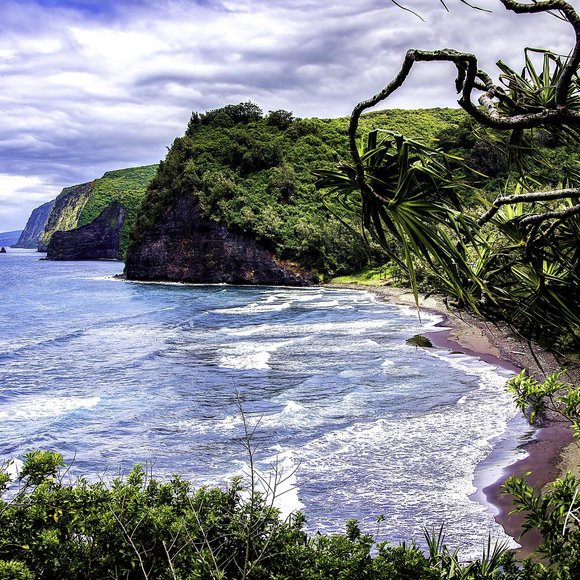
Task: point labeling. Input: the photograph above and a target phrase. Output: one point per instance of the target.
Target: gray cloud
(90, 86)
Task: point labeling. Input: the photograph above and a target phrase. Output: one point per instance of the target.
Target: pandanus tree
(519, 259)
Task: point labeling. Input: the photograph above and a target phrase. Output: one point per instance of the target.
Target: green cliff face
(80, 205)
(125, 186)
(253, 174)
(65, 212)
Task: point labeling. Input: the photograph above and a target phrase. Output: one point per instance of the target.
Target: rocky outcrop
(183, 246)
(30, 236)
(65, 213)
(95, 241)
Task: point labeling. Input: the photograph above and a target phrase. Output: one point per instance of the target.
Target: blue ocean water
(112, 373)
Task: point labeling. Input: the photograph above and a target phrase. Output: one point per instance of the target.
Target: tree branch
(527, 198)
(536, 220)
(570, 14)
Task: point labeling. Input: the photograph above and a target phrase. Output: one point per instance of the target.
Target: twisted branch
(527, 198)
(470, 78)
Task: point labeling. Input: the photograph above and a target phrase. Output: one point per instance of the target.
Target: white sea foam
(249, 330)
(327, 304)
(254, 308)
(275, 479)
(201, 426)
(250, 355)
(13, 467)
(444, 446)
(31, 408)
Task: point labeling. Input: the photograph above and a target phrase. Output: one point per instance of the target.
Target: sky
(88, 86)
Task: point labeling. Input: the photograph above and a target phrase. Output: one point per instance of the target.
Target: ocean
(355, 422)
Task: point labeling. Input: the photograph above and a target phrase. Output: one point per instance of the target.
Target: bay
(112, 373)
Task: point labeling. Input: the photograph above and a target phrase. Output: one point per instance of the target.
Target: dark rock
(419, 340)
(96, 241)
(2, 250)
(183, 246)
(30, 236)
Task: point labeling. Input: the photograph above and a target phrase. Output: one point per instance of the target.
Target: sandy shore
(552, 452)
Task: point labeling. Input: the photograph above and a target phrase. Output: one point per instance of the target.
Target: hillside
(79, 205)
(30, 236)
(253, 174)
(9, 238)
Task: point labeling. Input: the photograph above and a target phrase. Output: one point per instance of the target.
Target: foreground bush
(138, 527)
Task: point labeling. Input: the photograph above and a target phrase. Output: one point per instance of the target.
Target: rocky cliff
(10, 238)
(98, 240)
(80, 205)
(65, 212)
(183, 246)
(30, 236)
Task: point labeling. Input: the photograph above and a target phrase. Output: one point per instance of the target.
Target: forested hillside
(253, 173)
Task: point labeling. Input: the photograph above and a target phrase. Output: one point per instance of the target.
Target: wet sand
(552, 450)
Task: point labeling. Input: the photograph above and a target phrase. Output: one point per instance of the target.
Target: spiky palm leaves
(500, 266)
(411, 208)
(535, 279)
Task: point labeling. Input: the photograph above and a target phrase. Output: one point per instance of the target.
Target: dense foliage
(445, 209)
(138, 527)
(254, 174)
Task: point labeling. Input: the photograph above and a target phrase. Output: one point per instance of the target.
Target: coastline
(551, 452)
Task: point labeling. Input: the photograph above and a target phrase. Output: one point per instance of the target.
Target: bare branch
(527, 198)
(562, 215)
(409, 10)
(570, 14)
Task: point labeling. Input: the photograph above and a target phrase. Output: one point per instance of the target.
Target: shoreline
(551, 451)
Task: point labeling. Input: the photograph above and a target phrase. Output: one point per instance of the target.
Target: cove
(112, 373)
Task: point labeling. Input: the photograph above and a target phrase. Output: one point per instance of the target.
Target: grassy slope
(65, 212)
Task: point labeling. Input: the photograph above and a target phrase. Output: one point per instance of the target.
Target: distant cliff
(235, 200)
(30, 236)
(98, 240)
(65, 212)
(80, 205)
(183, 246)
(9, 238)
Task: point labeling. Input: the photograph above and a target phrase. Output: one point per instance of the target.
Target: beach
(552, 452)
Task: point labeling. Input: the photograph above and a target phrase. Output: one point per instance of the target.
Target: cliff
(80, 205)
(183, 246)
(256, 206)
(65, 212)
(125, 186)
(30, 236)
(10, 238)
(98, 240)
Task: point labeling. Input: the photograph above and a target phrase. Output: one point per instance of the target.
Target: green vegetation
(253, 173)
(65, 213)
(138, 527)
(554, 512)
(375, 276)
(128, 187)
(79, 205)
(437, 216)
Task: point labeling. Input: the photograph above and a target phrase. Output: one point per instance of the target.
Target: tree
(520, 260)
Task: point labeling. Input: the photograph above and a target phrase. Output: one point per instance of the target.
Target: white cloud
(96, 85)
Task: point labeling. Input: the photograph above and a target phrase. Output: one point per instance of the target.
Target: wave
(253, 308)
(250, 355)
(33, 408)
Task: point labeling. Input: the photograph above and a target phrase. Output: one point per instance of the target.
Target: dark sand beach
(551, 452)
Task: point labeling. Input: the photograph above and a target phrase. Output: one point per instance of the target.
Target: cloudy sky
(93, 85)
